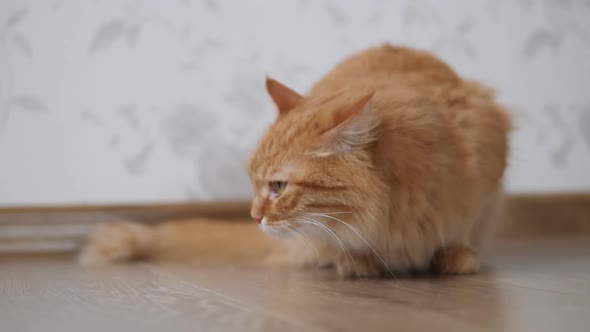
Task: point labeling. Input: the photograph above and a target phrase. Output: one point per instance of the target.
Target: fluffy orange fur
(391, 163)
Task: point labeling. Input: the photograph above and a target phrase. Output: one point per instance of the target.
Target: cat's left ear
(285, 98)
(355, 128)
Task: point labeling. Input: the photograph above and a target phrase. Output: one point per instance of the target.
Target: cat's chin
(277, 231)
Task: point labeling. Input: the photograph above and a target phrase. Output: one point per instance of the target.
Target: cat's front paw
(455, 259)
(353, 266)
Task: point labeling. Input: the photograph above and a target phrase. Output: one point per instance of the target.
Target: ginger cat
(391, 163)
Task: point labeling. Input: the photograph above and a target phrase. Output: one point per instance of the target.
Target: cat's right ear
(285, 98)
(355, 128)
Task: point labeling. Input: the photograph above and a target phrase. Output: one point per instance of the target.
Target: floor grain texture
(540, 284)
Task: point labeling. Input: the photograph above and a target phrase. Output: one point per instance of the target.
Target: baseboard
(63, 228)
(547, 214)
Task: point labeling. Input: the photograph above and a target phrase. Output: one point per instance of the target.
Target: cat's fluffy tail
(125, 240)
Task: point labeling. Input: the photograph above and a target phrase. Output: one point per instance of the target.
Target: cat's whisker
(324, 228)
(338, 240)
(302, 238)
(328, 215)
(340, 243)
(358, 233)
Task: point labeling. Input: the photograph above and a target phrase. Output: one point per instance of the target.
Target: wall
(126, 101)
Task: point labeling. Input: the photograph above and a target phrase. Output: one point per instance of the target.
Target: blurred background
(162, 101)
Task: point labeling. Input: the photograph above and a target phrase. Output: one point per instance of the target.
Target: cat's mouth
(278, 229)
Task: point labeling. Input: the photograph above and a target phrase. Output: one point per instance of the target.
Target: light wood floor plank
(529, 284)
(42, 294)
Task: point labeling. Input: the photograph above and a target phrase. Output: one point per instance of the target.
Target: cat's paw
(116, 241)
(358, 267)
(455, 259)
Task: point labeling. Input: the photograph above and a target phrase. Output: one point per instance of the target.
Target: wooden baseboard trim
(66, 226)
(140, 212)
(546, 214)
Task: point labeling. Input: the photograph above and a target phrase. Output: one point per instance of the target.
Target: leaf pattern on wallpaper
(560, 154)
(221, 155)
(211, 5)
(584, 124)
(415, 15)
(303, 3)
(106, 34)
(91, 118)
(538, 40)
(560, 132)
(16, 17)
(136, 163)
(375, 18)
(199, 51)
(246, 93)
(185, 127)
(448, 34)
(336, 13)
(553, 113)
(579, 30)
(22, 44)
(114, 141)
(132, 34)
(465, 26)
(130, 115)
(28, 103)
(462, 39)
(457, 39)
(526, 4)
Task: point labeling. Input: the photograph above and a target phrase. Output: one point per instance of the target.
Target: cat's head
(313, 165)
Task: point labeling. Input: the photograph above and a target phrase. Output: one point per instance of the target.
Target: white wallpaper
(136, 100)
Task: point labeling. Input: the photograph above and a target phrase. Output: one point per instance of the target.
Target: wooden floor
(529, 285)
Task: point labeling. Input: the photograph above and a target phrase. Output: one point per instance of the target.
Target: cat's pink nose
(258, 219)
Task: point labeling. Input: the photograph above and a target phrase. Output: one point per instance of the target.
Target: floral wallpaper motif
(118, 101)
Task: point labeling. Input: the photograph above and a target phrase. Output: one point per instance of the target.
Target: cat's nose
(256, 217)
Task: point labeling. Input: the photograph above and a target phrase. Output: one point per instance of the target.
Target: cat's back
(387, 65)
(447, 112)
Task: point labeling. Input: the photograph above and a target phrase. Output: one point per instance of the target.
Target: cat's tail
(125, 240)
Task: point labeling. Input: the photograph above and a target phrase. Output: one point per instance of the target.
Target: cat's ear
(354, 128)
(285, 98)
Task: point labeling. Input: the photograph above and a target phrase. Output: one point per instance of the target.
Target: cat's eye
(277, 187)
